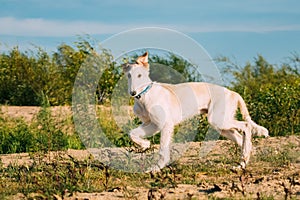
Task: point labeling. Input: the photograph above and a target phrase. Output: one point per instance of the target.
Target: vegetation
(60, 174)
(272, 93)
(36, 78)
(27, 77)
(44, 134)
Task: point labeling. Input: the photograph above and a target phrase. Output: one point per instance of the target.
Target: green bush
(277, 108)
(25, 77)
(17, 136)
(16, 139)
(15, 88)
(271, 93)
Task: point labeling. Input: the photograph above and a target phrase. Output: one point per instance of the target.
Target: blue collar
(144, 91)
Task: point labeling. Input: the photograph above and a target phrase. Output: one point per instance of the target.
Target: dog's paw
(265, 133)
(236, 169)
(240, 167)
(145, 145)
(153, 169)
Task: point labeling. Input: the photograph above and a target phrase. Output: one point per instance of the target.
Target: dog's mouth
(144, 90)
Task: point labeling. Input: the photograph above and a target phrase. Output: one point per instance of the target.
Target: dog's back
(192, 98)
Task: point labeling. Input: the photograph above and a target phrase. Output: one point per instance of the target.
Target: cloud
(255, 28)
(59, 28)
(54, 28)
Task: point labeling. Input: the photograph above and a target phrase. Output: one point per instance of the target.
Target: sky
(239, 30)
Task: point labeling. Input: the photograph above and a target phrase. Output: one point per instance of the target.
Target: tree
(182, 70)
(15, 87)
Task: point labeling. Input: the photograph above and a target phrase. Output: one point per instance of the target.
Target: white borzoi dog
(161, 106)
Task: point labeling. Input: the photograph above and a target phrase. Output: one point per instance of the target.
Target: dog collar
(144, 91)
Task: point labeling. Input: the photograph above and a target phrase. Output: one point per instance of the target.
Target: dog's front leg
(164, 150)
(159, 115)
(138, 134)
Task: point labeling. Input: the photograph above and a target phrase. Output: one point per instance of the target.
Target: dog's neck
(144, 91)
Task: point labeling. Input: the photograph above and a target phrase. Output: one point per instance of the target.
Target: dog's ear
(125, 67)
(143, 60)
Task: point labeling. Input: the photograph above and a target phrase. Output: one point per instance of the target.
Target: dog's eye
(140, 75)
(129, 75)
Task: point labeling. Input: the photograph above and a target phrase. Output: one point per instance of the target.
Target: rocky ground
(273, 172)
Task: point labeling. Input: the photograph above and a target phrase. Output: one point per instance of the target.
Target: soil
(27, 113)
(273, 171)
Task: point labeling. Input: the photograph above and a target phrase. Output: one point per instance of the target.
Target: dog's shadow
(216, 188)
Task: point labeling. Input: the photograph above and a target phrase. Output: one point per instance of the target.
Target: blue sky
(239, 29)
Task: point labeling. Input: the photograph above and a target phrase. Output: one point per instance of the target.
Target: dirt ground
(273, 172)
(29, 112)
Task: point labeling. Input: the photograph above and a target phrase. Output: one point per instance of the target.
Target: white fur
(165, 105)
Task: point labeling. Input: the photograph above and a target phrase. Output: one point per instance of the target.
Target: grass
(56, 177)
(63, 175)
(45, 133)
(278, 157)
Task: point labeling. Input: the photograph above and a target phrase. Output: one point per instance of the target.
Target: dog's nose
(133, 93)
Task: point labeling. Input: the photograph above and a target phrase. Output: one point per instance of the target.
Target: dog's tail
(255, 128)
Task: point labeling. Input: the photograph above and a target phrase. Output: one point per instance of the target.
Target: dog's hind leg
(245, 129)
(244, 141)
(231, 130)
(233, 135)
(143, 131)
(246, 147)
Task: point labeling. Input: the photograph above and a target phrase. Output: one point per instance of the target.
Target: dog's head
(137, 74)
